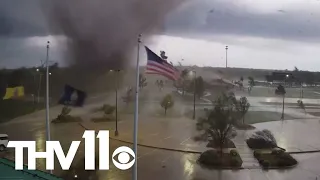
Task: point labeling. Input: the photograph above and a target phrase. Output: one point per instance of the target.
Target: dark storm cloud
(101, 33)
(213, 17)
(21, 18)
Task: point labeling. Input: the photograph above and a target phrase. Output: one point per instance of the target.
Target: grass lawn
(289, 104)
(291, 92)
(14, 108)
(253, 117)
(314, 113)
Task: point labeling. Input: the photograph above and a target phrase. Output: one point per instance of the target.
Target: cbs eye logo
(123, 154)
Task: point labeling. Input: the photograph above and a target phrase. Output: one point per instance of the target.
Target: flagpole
(47, 96)
(136, 113)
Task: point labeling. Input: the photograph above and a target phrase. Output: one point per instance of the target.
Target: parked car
(4, 139)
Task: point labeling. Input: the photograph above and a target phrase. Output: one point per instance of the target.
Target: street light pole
(136, 116)
(194, 95)
(40, 75)
(116, 133)
(282, 116)
(47, 96)
(226, 56)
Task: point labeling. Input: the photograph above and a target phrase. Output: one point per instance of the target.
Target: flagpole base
(116, 133)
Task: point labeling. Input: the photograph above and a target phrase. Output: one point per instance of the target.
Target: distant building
(276, 78)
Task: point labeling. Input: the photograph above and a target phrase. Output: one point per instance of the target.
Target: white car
(4, 139)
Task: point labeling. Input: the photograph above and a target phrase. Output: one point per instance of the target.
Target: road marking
(167, 137)
(147, 153)
(185, 140)
(166, 159)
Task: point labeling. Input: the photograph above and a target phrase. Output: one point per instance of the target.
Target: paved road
(32, 127)
(160, 164)
(152, 163)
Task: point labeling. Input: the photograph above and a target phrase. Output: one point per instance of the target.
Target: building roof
(7, 171)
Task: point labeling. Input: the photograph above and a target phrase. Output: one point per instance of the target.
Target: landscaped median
(64, 116)
(220, 160)
(275, 158)
(267, 152)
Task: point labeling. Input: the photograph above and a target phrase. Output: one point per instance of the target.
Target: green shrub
(265, 164)
(234, 152)
(66, 118)
(261, 161)
(108, 109)
(235, 163)
(277, 152)
(256, 154)
(105, 118)
(282, 163)
(65, 111)
(285, 159)
(210, 158)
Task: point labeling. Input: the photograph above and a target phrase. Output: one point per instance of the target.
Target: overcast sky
(269, 34)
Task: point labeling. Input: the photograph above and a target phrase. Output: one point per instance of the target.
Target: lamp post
(194, 95)
(47, 97)
(282, 115)
(40, 76)
(116, 132)
(227, 56)
(136, 115)
(283, 94)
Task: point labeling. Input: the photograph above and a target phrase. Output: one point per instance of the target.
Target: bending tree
(301, 105)
(142, 81)
(243, 108)
(199, 88)
(166, 103)
(129, 96)
(281, 91)
(184, 77)
(217, 125)
(251, 83)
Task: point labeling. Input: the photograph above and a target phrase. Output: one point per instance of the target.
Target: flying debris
(163, 55)
(179, 63)
(157, 65)
(211, 11)
(281, 11)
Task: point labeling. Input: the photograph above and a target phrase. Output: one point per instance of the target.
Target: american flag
(156, 65)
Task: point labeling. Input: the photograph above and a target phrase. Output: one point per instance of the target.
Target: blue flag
(68, 92)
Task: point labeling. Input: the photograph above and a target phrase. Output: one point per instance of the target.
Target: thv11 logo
(54, 147)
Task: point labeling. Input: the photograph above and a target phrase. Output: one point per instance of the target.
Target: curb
(302, 152)
(281, 168)
(149, 146)
(197, 152)
(189, 151)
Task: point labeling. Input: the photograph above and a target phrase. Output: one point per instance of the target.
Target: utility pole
(116, 133)
(227, 56)
(282, 115)
(194, 95)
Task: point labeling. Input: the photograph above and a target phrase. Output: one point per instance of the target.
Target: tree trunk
(282, 116)
(165, 111)
(243, 119)
(221, 147)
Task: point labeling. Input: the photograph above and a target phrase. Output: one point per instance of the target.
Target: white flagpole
(136, 113)
(47, 96)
